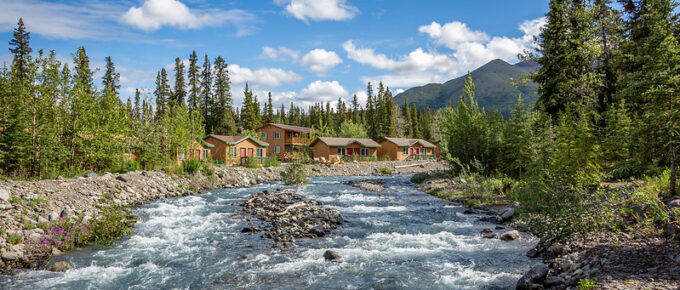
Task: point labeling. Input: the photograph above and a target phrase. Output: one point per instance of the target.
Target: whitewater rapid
(401, 238)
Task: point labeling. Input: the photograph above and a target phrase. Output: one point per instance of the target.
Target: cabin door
(250, 152)
(243, 152)
(417, 151)
(349, 151)
(410, 151)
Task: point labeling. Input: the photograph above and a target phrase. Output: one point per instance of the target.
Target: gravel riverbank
(25, 204)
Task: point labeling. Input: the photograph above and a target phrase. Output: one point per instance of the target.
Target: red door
(243, 152)
(250, 152)
(349, 151)
(410, 151)
(417, 151)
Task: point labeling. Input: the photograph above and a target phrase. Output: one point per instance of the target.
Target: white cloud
(280, 53)
(271, 77)
(453, 33)
(319, 10)
(320, 60)
(154, 14)
(323, 91)
(468, 50)
(58, 20)
(417, 60)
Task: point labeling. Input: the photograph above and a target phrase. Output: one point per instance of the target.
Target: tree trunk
(672, 179)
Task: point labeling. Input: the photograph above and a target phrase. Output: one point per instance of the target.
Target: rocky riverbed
(25, 204)
(609, 260)
(287, 216)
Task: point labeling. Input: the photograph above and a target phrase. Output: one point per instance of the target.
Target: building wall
(395, 152)
(270, 129)
(330, 153)
(193, 151)
(221, 150)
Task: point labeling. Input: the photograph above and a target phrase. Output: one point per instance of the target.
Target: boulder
(91, 175)
(66, 213)
(489, 236)
(487, 230)
(553, 281)
(533, 279)
(52, 216)
(330, 255)
(510, 235)
(671, 230)
(533, 253)
(506, 213)
(11, 255)
(60, 267)
(674, 203)
(4, 195)
(122, 178)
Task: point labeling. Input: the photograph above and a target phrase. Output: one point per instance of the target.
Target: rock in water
(287, 216)
(331, 255)
(60, 267)
(369, 185)
(510, 235)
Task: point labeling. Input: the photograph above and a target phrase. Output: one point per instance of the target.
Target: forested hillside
(494, 85)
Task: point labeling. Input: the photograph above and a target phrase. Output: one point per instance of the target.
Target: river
(402, 238)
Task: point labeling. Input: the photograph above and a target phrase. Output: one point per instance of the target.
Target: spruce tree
(179, 95)
(206, 94)
(111, 79)
(222, 109)
(194, 83)
(21, 51)
(270, 109)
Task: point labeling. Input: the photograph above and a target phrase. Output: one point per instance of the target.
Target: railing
(256, 160)
(359, 158)
(421, 157)
(298, 140)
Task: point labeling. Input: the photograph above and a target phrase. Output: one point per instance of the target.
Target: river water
(402, 238)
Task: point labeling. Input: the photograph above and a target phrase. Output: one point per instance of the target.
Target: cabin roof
(233, 140)
(338, 142)
(289, 127)
(408, 142)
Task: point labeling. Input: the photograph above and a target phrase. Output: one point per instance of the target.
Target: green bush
(191, 166)
(252, 163)
(385, 170)
(273, 161)
(551, 210)
(295, 174)
(127, 166)
(585, 284)
(207, 167)
(112, 224)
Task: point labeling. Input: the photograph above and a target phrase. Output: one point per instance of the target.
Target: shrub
(554, 211)
(65, 234)
(127, 166)
(273, 161)
(295, 174)
(174, 169)
(208, 168)
(191, 166)
(14, 239)
(252, 163)
(585, 284)
(112, 224)
(385, 170)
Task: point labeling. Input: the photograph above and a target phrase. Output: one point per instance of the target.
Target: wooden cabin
(405, 149)
(197, 149)
(235, 150)
(285, 140)
(330, 149)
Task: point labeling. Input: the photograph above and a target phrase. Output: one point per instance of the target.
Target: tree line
(608, 103)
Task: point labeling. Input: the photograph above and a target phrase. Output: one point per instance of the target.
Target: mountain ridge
(493, 89)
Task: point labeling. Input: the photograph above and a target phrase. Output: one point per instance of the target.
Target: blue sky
(303, 51)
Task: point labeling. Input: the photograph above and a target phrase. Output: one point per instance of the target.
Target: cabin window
(181, 156)
(263, 135)
(232, 151)
(259, 152)
(277, 149)
(277, 135)
(405, 150)
(364, 151)
(342, 151)
(206, 153)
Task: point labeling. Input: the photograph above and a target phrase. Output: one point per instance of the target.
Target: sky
(302, 51)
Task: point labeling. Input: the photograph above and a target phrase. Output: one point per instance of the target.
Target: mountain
(493, 89)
